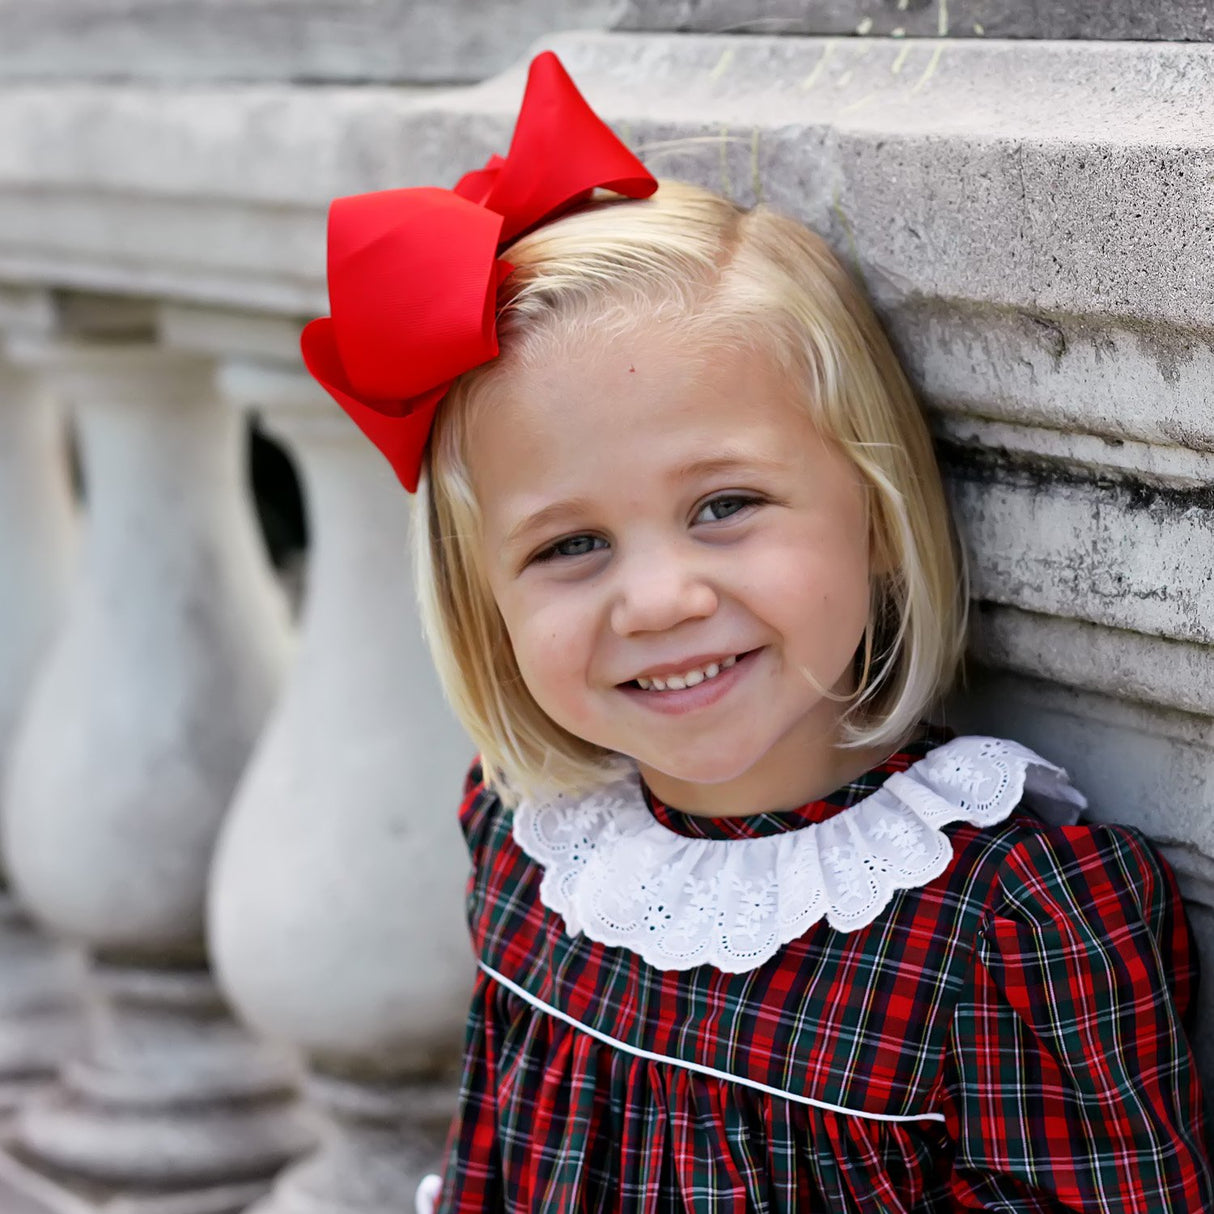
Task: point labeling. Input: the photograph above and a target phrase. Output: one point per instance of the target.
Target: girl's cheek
(555, 620)
(557, 662)
(543, 651)
(556, 685)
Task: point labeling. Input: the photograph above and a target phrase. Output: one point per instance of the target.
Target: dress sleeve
(1071, 1084)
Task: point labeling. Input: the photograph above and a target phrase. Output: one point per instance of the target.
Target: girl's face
(653, 510)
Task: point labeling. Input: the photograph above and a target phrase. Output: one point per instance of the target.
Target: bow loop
(403, 263)
(414, 273)
(560, 153)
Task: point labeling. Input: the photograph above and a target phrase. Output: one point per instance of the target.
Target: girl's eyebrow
(551, 513)
(556, 511)
(730, 461)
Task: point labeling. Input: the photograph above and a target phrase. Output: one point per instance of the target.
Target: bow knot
(414, 273)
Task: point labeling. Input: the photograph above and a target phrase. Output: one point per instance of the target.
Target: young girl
(752, 936)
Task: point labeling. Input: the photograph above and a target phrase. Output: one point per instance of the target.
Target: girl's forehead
(632, 414)
(640, 388)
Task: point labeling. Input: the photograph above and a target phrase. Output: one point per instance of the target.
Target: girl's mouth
(692, 689)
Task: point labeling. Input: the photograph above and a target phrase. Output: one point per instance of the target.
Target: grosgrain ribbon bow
(413, 274)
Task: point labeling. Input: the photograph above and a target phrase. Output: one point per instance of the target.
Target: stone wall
(1032, 217)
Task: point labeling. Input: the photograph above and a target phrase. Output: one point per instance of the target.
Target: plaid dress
(1007, 1037)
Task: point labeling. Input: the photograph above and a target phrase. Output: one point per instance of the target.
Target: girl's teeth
(677, 682)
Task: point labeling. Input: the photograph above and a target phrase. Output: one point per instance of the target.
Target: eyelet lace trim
(616, 874)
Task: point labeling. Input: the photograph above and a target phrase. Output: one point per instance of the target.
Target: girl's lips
(692, 698)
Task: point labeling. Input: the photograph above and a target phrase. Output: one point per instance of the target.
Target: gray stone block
(1167, 20)
(423, 41)
(1017, 183)
(1063, 542)
(1124, 665)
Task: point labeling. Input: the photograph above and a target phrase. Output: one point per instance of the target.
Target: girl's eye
(574, 545)
(725, 506)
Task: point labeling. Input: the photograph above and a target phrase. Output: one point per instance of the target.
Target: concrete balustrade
(139, 723)
(40, 981)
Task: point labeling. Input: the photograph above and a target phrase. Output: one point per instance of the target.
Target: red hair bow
(413, 274)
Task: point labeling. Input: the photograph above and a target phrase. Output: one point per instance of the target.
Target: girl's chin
(709, 773)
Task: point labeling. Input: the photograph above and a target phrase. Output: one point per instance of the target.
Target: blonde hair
(760, 278)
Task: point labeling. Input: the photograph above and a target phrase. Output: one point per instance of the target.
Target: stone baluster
(336, 917)
(137, 730)
(39, 982)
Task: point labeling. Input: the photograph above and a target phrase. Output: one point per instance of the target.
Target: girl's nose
(655, 595)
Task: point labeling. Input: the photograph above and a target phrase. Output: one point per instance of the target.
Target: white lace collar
(617, 874)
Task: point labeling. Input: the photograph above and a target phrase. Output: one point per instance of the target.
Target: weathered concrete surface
(176, 41)
(1071, 374)
(1132, 20)
(24, 1190)
(1126, 665)
(1047, 179)
(1114, 551)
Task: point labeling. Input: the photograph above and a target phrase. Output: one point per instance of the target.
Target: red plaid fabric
(1008, 1037)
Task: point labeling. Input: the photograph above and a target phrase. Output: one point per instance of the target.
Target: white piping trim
(694, 1066)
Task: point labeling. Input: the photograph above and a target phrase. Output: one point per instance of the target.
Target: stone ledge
(1170, 20)
(1142, 389)
(1145, 464)
(1063, 542)
(1126, 665)
(940, 166)
(178, 41)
